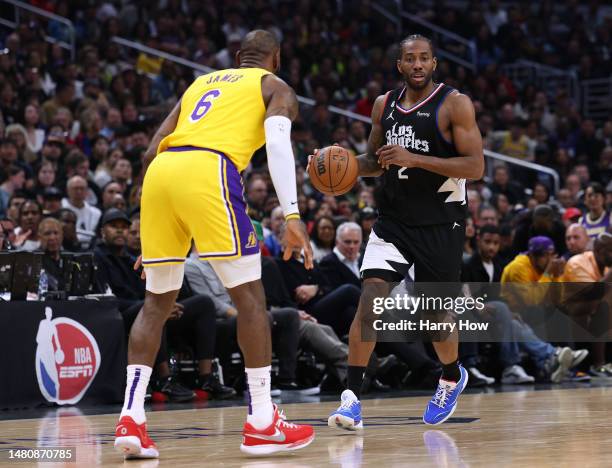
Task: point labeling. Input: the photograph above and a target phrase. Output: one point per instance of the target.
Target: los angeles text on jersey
(404, 136)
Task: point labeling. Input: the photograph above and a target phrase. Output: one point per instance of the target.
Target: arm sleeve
(281, 163)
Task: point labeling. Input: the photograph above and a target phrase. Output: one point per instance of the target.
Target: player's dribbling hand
(296, 237)
(314, 154)
(137, 265)
(394, 154)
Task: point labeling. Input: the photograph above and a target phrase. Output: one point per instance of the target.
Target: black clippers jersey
(416, 196)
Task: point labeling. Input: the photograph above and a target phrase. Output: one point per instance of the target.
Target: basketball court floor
(541, 426)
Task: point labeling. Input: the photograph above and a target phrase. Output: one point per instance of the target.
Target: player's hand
(297, 238)
(314, 154)
(394, 154)
(177, 311)
(231, 312)
(138, 265)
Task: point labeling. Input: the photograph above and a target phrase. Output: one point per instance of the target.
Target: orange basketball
(333, 171)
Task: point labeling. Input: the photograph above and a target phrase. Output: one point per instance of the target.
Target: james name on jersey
(404, 136)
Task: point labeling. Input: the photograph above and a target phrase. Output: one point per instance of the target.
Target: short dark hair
(74, 158)
(488, 229)
(597, 188)
(417, 37)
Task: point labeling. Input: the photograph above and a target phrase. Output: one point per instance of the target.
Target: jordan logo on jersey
(404, 136)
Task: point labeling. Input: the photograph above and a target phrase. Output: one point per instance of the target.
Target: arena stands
(75, 125)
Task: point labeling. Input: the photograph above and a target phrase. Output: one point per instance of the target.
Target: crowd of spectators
(73, 132)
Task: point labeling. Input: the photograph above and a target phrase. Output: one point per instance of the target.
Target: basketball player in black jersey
(424, 143)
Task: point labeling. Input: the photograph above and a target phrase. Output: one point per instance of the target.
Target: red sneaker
(280, 436)
(132, 440)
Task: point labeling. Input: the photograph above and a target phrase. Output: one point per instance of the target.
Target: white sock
(137, 380)
(261, 412)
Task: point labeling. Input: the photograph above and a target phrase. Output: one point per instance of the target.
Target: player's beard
(420, 84)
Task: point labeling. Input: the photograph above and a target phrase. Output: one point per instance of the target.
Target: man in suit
(342, 265)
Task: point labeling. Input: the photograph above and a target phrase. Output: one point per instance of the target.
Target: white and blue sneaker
(348, 414)
(444, 402)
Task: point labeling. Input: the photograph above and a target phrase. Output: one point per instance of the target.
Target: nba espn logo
(67, 359)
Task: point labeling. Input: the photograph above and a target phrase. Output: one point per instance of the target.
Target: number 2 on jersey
(400, 173)
(204, 105)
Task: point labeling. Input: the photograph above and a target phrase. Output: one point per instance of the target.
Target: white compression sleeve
(281, 163)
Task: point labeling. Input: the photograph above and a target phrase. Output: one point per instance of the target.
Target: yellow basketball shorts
(194, 193)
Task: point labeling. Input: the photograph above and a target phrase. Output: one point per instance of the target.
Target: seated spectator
(87, 215)
(14, 180)
(26, 232)
(342, 265)
(310, 290)
(14, 205)
(552, 363)
(366, 219)
(470, 238)
(322, 237)
(285, 322)
(108, 193)
(50, 233)
(571, 215)
(504, 208)
(502, 184)
(576, 239)
(487, 215)
(192, 319)
(44, 179)
(539, 264)
(102, 175)
(271, 240)
(76, 163)
(132, 245)
(597, 219)
(593, 267)
(54, 146)
(540, 222)
(70, 240)
(315, 337)
(122, 173)
(541, 193)
(358, 138)
(51, 200)
(5, 243)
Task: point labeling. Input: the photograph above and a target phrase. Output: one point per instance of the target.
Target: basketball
(333, 171)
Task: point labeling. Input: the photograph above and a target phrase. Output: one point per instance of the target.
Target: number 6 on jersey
(204, 105)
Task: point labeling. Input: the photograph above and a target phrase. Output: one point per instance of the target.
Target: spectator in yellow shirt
(539, 264)
(590, 305)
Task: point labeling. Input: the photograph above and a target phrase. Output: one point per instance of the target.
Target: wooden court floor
(556, 428)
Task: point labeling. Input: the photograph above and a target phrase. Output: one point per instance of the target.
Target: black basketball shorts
(423, 253)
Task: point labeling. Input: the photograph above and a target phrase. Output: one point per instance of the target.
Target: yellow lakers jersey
(222, 111)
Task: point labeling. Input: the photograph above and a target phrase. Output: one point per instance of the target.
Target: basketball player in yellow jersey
(192, 190)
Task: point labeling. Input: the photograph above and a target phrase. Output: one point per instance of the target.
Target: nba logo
(67, 359)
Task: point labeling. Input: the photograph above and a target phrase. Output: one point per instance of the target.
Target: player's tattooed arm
(368, 162)
(165, 129)
(466, 138)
